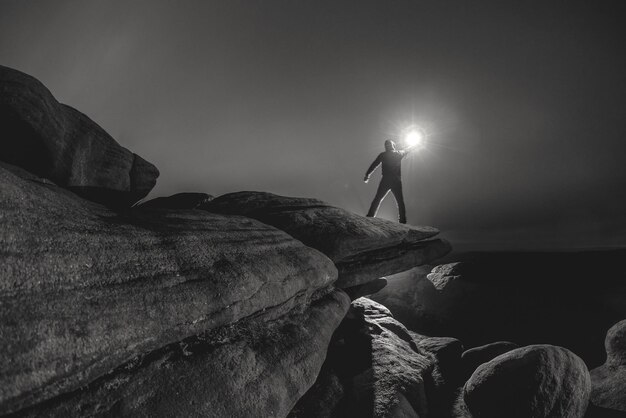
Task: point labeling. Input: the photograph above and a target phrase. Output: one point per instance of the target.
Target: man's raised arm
(373, 167)
(406, 151)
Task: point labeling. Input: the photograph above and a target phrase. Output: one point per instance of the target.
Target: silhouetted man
(391, 160)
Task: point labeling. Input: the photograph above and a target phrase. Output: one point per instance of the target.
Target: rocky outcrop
(534, 381)
(184, 306)
(609, 380)
(476, 356)
(84, 290)
(57, 142)
(364, 249)
(178, 201)
(375, 368)
(258, 369)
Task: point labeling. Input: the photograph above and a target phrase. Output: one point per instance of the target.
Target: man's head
(390, 145)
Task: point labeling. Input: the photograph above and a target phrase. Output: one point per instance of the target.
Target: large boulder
(253, 369)
(535, 381)
(83, 289)
(364, 249)
(55, 141)
(609, 380)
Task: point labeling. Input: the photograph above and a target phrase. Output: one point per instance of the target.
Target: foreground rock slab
(83, 290)
(58, 142)
(364, 249)
(534, 381)
(251, 369)
(609, 380)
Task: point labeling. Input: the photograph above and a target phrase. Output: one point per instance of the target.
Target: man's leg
(383, 189)
(396, 189)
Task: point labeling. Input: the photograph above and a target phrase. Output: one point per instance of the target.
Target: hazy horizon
(524, 103)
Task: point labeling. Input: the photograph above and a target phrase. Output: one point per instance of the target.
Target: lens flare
(414, 139)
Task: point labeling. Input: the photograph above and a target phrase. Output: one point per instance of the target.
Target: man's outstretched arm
(406, 151)
(373, 167)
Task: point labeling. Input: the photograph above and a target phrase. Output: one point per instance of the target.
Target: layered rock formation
(56, 141)
(103, 314)
(256, 369)
(165, 309)
(84, 290)
(363, 249)
(237, 306)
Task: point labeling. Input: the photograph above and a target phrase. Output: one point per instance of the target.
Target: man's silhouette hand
(366, 179)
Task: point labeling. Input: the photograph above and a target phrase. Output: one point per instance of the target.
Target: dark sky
(524, 102)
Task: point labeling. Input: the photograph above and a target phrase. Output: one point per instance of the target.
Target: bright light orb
(414, 138)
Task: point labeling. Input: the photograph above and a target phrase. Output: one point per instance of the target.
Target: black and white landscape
(201, 274)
